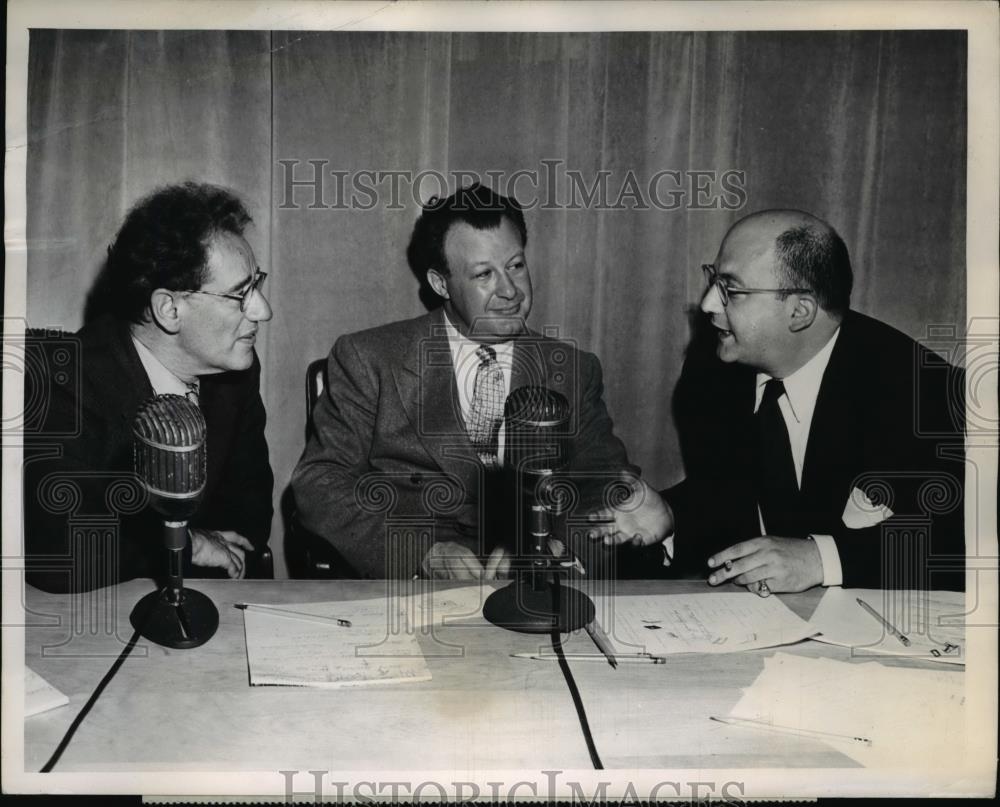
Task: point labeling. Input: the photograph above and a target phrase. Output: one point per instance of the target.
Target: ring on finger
(763, 589)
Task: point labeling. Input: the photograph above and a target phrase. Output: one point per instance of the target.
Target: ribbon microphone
(536, 453)
(170, 461)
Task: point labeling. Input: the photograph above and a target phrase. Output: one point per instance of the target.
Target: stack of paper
(309, 644)
(723, 622)
(877, 715)
(931, 623)
(39, 694)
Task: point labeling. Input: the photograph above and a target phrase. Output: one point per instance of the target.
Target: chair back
(309, 555)
(315, 384)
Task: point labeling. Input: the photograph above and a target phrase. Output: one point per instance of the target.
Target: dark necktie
(777, 488)
(486, 410)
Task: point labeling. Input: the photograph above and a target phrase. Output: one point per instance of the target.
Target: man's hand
(223, 549)
(784, 564)
(447, 560)
(642, 518)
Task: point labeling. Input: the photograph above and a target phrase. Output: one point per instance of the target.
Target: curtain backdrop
(865, 129)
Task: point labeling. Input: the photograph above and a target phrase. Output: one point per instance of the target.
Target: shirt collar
(461, 345)
(802, 386)
(161, 379)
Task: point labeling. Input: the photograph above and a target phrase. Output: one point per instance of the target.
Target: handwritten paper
(430, 606)
(378, 648)
(932, 621)
(907, 717)
(39, 694)
(724, 622)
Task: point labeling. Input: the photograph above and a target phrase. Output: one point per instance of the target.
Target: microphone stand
(536, 601)
(175, 616)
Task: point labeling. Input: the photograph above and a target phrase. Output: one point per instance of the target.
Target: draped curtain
(865, 129)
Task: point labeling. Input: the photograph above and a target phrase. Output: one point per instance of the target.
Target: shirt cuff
(668, 550)
(833, 573)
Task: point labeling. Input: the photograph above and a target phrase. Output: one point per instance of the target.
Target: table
(194, 710)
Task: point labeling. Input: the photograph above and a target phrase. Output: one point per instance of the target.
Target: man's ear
(163, 308)
(804, 313)
(438, 283)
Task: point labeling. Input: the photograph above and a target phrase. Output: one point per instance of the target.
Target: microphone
(537, 429)
(170, 460)
(536, 451)
(537, 448)
(169, 456)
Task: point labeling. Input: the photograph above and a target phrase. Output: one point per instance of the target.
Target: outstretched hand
(641, 518)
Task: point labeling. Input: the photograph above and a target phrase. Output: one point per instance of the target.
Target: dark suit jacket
(389, 468)
(889, 420)
(85, 520)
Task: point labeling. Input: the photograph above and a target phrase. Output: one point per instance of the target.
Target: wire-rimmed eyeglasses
(243, 297)
(726, 291)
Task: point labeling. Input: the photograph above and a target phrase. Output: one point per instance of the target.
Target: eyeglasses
(726, 291)
(244, 297)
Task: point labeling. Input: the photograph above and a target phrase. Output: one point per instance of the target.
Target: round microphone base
(523, 608)
(188, 623)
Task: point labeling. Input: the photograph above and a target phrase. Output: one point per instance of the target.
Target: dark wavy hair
(163, 244)
(478, 206)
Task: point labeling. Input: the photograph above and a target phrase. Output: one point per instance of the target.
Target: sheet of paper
(723, 622)
(908, 717)
(39, 694)
(431, 606)
(378, 648)
(931, 620)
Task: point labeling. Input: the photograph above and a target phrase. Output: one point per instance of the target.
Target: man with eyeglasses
(821, 446)
(183, 299)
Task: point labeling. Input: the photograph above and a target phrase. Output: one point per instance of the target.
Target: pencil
(904, 640)
(302, 616)
(647, 658)
(760, 724)
(596, 632)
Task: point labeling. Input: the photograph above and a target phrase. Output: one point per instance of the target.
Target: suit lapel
(122, 363)
(528, 365)
(221, 413)
(426, 385)
(824, 485)
(739, 423)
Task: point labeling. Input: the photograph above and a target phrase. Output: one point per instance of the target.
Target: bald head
(808, 253)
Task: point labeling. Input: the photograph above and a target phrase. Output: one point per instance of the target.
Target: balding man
(822, 447)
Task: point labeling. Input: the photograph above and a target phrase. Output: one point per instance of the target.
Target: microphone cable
(47, 768)
(581, 712)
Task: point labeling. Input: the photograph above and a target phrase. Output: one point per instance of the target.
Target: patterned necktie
(192, 392)
(486, 411)
(777, 487)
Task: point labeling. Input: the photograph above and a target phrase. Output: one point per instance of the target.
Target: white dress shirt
(466, 364)
(797, 406)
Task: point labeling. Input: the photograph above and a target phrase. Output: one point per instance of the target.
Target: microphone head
(169, 454)
(537, 437)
